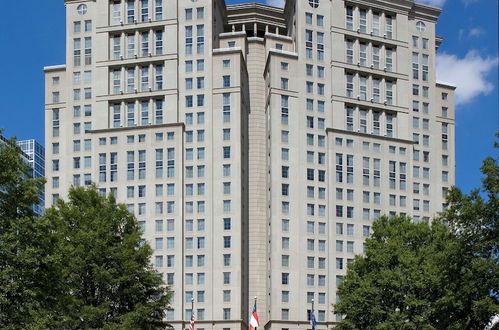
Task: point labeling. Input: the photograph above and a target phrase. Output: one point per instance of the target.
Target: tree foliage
(417, 276)
(27, 258)
(108, 281)
(82, 265)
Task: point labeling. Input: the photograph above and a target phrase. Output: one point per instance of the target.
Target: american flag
(191, 324)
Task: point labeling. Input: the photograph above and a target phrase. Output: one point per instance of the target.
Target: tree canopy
(108, 280)
(439, 276)
(82, 265)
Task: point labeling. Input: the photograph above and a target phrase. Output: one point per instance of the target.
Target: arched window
(420, 26)
(82, 9)
(313, 3)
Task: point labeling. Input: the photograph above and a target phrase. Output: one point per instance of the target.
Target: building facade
(255, 144)
(35, 156)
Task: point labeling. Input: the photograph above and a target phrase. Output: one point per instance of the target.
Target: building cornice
(365, 135)
(255, 13)
(61, 67)
(446, 85)
(134, 128)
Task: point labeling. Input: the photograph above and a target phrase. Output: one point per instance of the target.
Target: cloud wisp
(469, 74)
(435, 3)
(275, 3)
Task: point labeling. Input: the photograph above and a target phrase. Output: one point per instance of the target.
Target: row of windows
(87, 26)
(319, 19)
(363, 51)
(139, 44)
(311, 246)
(357, 86)
(189, 39)
(189, 245)
(350, 229)
(424, 43)
(135, 79)
(189, 223)
(139, 113)
(357, 19)
(319, 44)
(77, 51)
(131, 11)
(372, 122)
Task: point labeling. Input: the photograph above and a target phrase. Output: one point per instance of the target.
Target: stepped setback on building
(255, 145)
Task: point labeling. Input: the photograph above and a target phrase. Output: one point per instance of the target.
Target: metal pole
(252, 311)
(312, 314)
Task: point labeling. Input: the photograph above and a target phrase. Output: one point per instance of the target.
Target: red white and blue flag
(191, 324)
(254, 323)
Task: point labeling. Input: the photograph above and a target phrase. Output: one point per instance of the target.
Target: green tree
(83, 265)
(417, 276)
(398, 284)
(473, 219)
(108, 280)
(28, 261)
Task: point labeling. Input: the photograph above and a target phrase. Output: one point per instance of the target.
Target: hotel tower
(255, 145)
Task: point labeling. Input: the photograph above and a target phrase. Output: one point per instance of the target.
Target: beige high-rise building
(255, 145)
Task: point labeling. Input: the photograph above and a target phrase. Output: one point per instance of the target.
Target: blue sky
(468, 58)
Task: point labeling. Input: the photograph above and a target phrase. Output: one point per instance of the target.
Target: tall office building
(34, 154)
(255, 144)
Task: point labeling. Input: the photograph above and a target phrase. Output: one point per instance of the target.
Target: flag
(254, 323)
(191, 324)
(313, 321)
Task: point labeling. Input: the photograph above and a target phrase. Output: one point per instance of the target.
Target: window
(349, 86)
(320, 20)
(226, 81)
(308, 43)
(420, 26)
(284, 109)
(88, 50)
(88, 25)
(313, 3)
(349, 18)
(76, 52)
(363, 54)
(362, 21)
(389, 26)
(188, 40)
(308, 18)
(188, 14)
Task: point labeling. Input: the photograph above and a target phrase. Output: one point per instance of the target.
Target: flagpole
(192, 306)
(255, 306)
(312, 317)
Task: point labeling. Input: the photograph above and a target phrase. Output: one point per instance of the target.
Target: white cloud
(436, 3)
(469, 74)
(440, 3)
(474, 32)
(275, 3)
(469, 2)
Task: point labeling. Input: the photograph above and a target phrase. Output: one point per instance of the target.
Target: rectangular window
(130, 6)
(88, 50)
(158, 9)
(158, 77)
(349, 18)
(363, 20)
(76, 52)
(200, 39)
